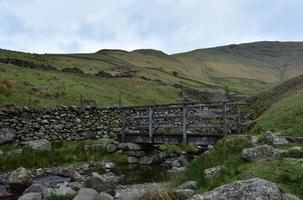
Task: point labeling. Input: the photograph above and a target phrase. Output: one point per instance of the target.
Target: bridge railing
(213, 119)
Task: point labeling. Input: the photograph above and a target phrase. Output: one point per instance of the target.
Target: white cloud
(170, 25)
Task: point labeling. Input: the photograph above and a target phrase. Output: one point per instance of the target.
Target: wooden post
(123, 126)
(200, 118)
(150, 127)
(224, 118)
(184, 125)
(238, 119)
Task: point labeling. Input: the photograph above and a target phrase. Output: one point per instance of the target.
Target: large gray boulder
(243, 190)
(263, 152)
(64, 190)
(87, 194)
(20, 176)
(40, 145)
(6, 136)
(183, 193)
(146, 160)
(31, 196)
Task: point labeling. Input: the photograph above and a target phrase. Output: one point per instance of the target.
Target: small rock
(6, 136)
(132, 160)
(287, 196)
(31, 196)
(106, 164)
(189, 185)
(146, 160)
(105, 196)
(64, 190)
(261, 152)
(87, 194)
(210, 173)
(78, 177)
(296, 148)
(110, 148)
(75, 185)
(183, 193)
(176, 163)
(275, 138)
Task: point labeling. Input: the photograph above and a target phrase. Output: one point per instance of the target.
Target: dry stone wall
(60, 123)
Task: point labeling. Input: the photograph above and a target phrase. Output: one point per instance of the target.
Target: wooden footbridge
(185, 123)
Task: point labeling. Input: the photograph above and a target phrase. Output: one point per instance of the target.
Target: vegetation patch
(61, 153)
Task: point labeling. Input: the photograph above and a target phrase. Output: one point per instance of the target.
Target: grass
(286, 173)
(62, 153)
(48, 89)
(176, 149)
(285, 116)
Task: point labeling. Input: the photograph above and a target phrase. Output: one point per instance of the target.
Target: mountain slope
(280, 109)
(245, 68)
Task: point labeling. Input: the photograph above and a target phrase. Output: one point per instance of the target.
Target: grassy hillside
(151, 74)
(46, 89)
(280, 109)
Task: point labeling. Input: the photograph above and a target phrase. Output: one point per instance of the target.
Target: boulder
(20, 176)
(35, 188)
(275, 138)
(31, 196)
(262, 152)
(251, 189)
(137, 191)
(287, 196)
(176, 163)
(6, 136)
(102, 183)
(210, 173)
(40, 145)
(188, 185)
(183, 193)
(105, 196)
(87, 194)
(75, 185)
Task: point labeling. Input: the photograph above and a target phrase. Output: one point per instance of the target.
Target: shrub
(5, 87)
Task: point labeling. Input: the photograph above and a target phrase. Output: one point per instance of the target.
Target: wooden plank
(150, 128)
(224, 118)
(184, 131)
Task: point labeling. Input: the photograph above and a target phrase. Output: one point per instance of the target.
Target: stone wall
(60, 123)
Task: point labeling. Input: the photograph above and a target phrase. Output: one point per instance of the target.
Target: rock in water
(40, 145)
(251, 189)
(6, 136)
(31, 196)
(87, 194)
(261, 153)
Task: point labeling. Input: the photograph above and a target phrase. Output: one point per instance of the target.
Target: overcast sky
(61, 26)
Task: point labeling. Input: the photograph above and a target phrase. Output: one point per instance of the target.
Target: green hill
(280, 108)
(245, 68)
